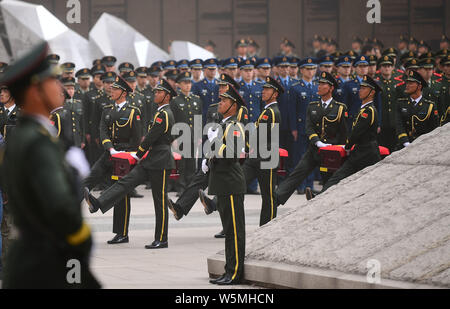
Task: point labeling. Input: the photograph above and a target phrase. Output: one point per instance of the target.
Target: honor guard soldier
(230, 67)
(362, 143)
(392, 53)
(439, 56)
(227, 181)
(196, 66)
(69, 119)
(183, 65)
(185, 107)
(156, 167)
(416, 115)
(326, 122)
(445, 93)
(411, 65)
(68, 69)
(141, 74)
(264, 67)
(120, 131)
(41, 186)
(92, 149)
(326, 64)
(83, 83)
(208, 88)
(387, 136)
(294, 68)
(249, 90)
(300, 95)
(168, 66)
(426, 69)
(373, 62)
(110, 63)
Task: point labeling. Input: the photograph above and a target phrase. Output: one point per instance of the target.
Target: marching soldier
(120, 130)
(208, 88)
(363, 137)
(326, 124)
(416, 115)
(156, 167)
(227, 181)
(41, 188)
(185, 107)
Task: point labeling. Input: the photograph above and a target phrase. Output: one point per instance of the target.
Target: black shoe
(221, 234)
(309, 194)
(157, 245)
(214, 281)
(93, 203)
(118, 239)
(208, 204)
(227, 281)
(175, 209)
(134, 194)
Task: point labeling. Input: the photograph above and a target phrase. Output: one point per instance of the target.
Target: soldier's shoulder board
(213, 105)
(314, 103)
(108, 106)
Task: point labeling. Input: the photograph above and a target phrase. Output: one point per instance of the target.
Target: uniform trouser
(6, 230)
(121, 217)
(267, 180)
(231, 209)
(187, 171)
(190, 195)
(100, 172)
(300, 148)
(305, 167)
(388, 138)
(158, 179)
(357, 161)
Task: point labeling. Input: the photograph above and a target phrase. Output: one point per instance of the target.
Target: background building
(266, 21)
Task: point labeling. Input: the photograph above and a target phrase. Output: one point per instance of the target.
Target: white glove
(319, 144)
(135, 157)
(205, 167)
(406, 144)
(212, 134)
(76, 158)
(112, 151)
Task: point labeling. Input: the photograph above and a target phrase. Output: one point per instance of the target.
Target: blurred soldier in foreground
(42, 188)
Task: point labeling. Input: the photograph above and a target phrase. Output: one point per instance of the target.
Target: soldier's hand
(76, 158)
(295, 135)
(205, 167)
(319, 144)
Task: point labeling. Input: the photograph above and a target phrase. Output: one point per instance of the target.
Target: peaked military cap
(427, 63)
(403, 39)
(412, 64)
(32, 68)
(253, 43)
(230, 63)
(326, 60)
(234, 95)
(247, 64)
(126, 67)
(442, 53)
(336, 56)
(83, 73)
(412, 40)
(391, 52)
(170, 65)
(109, 61)
(53, 58)
(353, 55)
(288, 43)
(171, 74)
(422, 43)
(96, 62)
(211, 63)
(165, 86)
(294, 61)
(109, 77)
(386, 60)
(226, 79)
(129, 76)
(141, 72)
(428, 55)
(120, 83)
(361, 60)
(326, 77)
(183, 64)
(68, 67)
(371, 83)
(159, 64)
(308, 62)
(241, 43)
(373, 60)
(281, 61)
(98, 69)
(264, 63)
(446, 60)
(408, 56)
(344, 61)
(196, 64)
(273, 83)
(154, 70)
(185, 76)
(415, 77)
(68, 81)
